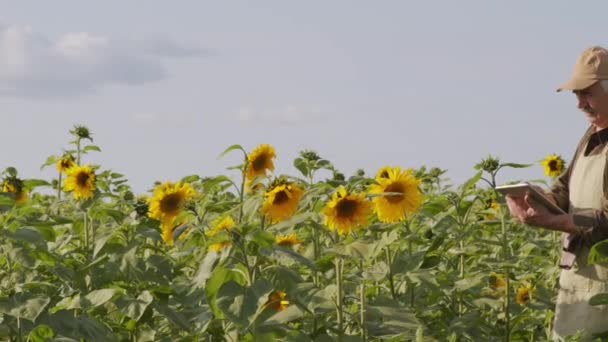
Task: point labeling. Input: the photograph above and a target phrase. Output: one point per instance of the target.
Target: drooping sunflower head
(14, 185)
(278, 300)
(523, 295)
(405, 198)
(346, 211)
(169, 199)
(65, 162)
(81, 181)
(281, 200)
(219, 224)
(287, 240)
(259, 160)
(553, 165)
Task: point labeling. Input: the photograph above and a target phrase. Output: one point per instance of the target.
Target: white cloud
(74, 63)
(288, 115)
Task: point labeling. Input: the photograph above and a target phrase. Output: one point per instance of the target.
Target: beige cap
(591, 66)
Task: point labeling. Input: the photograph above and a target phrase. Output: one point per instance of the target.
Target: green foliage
(98, 270)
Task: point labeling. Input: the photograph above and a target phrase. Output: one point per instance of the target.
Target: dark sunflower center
(65, 164)
(259, 162)
(346, 208)
(82, 178)
(394, 188)
(280, 198)
(285, 243)
(170, 203)
(553, 165)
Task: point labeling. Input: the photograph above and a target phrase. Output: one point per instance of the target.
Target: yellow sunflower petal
(65, 163)
(278, 300)
(169, 199)
(221, 223)
(219, 246)
(346, 211)
(281, 201)
(523, 295)
(394, 208)
(259, 160)
(553, 165)
(287, 240)
(81, 181)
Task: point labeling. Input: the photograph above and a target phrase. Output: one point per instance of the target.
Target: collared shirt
(591, 224)
(597, 139)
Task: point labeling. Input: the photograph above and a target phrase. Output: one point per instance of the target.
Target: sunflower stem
(59, 187)
(461, 274)
(19, 337)
(315, 248)
(389, 262)
(242, 190)
(363, 311)
(86, 231)
(339, 301)
(410, 249)
(78, 150)
(505, 246)
(92, 228)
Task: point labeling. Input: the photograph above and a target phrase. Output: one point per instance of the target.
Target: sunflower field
(400, 255)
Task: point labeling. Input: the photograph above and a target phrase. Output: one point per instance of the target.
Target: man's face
(593, 101)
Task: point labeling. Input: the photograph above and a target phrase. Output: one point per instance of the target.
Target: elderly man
(582, 191)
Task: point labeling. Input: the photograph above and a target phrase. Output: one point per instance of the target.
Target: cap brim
(576, 84)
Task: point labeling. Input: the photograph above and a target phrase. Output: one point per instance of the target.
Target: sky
(166, 86)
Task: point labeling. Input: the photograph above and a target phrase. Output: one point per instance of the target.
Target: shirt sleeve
(560, 191)
(591, 224)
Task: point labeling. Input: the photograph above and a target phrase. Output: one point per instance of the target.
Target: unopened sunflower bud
(128, 196)
(489, 164)
(309, 155)
(141, 207)
(81, 132)
(338, 176)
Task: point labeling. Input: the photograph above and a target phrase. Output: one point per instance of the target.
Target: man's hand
(528, 211)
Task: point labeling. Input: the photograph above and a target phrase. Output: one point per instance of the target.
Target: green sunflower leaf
(232, 148)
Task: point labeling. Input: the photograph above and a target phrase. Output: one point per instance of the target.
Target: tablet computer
(522, 188)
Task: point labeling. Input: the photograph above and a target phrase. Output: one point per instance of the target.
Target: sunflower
(493, 206)
(523, 295)
(278, 300)
(66, 162)
(383, 172)
(185, 234)
(497, 280)
(259, 160)
(281, 201)
(346, 211)
(287, 240)
(80, 180)
(393, 208)
(168, 200)
(221, 223)
(553, 165)
(166, 232)
(218, 246)
(15, 186)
